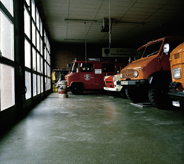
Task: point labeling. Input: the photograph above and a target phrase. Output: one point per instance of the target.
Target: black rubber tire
(77, 89)
(123, 94)
(136, 95)
(158, 97)
(182, 104)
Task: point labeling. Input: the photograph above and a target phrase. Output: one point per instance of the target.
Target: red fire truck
(89, 75)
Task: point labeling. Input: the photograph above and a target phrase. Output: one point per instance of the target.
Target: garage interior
(37, 126)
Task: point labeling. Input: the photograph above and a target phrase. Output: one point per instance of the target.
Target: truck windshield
(139, 53)
(74, 67)
(152, 49)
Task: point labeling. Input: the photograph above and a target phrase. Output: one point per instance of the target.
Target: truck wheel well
(164, 76)
(77, 83)
(77, 88)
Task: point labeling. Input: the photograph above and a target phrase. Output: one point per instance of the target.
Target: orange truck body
(176, 91)
(151, 68)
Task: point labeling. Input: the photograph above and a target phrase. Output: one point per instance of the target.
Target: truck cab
(89, 75)
(176, 91)
(148, 76)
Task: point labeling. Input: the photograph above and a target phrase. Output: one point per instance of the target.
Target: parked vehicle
(176, 91)
(149, 75)
(111, 84)
(89, 75)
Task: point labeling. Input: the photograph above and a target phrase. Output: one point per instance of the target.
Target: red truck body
(89, 75)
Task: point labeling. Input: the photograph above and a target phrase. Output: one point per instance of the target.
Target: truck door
(87, 75)
(98, 75)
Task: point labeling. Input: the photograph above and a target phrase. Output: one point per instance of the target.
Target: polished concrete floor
(94, 129)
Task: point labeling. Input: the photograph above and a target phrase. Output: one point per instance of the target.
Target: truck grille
(109, 81)
(128, 73)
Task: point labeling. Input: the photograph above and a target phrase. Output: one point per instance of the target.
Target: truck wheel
(77, 89)
(122, 93)
(159, 98)
(136, 95)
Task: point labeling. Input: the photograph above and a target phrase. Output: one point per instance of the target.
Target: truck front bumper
(176, 95)
(133, 83)
(116, 89)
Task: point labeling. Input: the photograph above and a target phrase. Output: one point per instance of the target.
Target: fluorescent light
(129, 22)
(75, 40)
(79, 20)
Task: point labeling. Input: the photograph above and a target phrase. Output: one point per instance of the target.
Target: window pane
(41, 27)
(48, 70)
(41, 46)
(34, 85)
(34, 59)
(28, 2)
(6, 37)
(38, 62)
(26, 23)
(38, 83)
(86, 67)
(9, 5)
(28, 84)
(27, 54)
(45, 53)
(108, 67)
(41, 84)
(37, 19)
(47, 84)
(7, 92)
(38, 41)
(45, 40)
(33, 9)
(33, 33)
(41, 65)
(45, 68)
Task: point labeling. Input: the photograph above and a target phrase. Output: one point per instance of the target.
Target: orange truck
(148, 77)
(89, 75)
(176, 91)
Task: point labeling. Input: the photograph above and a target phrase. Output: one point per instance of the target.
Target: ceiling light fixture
(81, 40)
(129, 22)
(79, 20)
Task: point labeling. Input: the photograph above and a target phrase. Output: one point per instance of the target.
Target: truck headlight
(114, 79)
(121, 75)
(136, 73)
(176, 73)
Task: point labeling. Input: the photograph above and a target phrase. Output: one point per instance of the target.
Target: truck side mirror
(130, 60)
(166, 48)
(68, 65)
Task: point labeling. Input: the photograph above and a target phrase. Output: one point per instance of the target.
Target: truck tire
(158, 97)
(77, 89)
(136, 95)
(122, 93)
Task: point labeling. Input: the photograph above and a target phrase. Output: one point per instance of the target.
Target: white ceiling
(146, 17)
